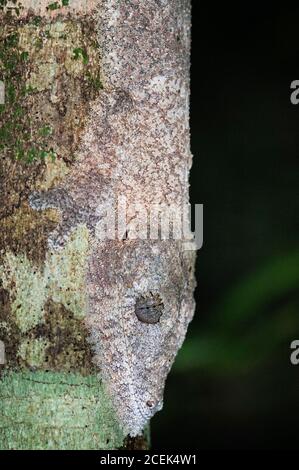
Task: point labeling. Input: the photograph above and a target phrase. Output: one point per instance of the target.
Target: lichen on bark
(47, 303)
(51, 410)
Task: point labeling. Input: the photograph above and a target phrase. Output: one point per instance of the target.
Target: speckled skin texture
(136, 357)
(135, 144)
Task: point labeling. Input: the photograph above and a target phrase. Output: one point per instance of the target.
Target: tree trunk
(95, 116)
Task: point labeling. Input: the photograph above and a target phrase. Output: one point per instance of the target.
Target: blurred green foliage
(249, 323)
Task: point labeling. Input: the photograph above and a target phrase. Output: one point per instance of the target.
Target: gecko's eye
(149, 308)
(150, 403)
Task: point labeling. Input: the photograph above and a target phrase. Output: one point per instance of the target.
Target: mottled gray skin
(135, 357)
(136, 144)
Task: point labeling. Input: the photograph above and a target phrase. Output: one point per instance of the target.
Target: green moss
(45, 131)
(37, 20)
(95, 81)
(58, 411)
(24, 55)
(79, 52)
(56, 5)
(53, 6)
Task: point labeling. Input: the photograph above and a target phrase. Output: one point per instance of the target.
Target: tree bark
(96, 108)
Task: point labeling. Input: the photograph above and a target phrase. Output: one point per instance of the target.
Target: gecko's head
(140, 317)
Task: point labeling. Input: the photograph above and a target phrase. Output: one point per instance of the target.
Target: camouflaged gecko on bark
(136, 144)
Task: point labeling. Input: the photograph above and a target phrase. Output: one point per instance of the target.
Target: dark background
(233, 386)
